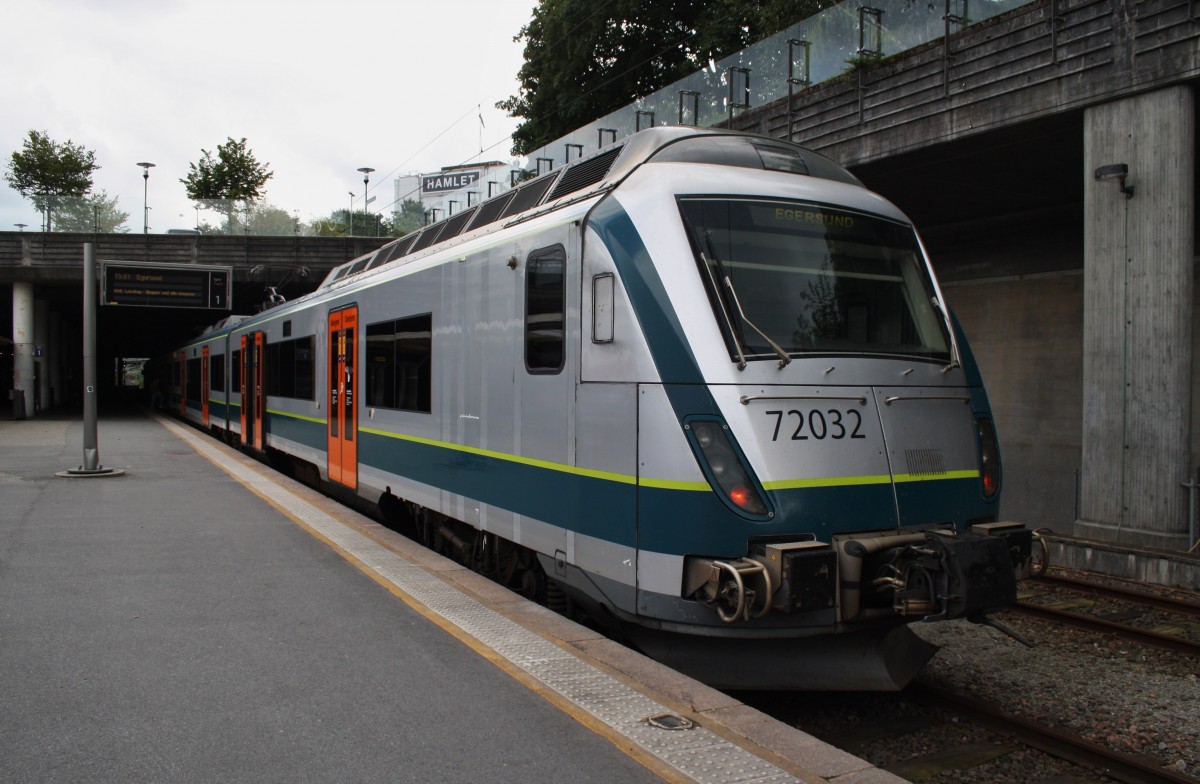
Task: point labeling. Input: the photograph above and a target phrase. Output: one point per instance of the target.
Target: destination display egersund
(143, 284)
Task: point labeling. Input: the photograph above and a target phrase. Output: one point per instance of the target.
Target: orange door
(243, 391)
(343, 418)
(253, 402)
(204, 384)
(260, 399)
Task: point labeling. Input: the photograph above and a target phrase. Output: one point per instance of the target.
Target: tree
(333, 226)
(234, 175)
(95, 212)
(45, 170)
(584, 61)
(410, 217)
(264, 219)
(359, 224)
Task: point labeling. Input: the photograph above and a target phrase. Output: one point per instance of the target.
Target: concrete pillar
(23, 343)
(41, 352)
(1137, 347)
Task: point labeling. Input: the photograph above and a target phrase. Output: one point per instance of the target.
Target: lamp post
(366, 173)
(350, 217)
(146, 167)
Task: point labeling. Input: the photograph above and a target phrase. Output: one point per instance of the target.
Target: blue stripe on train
(671, 521)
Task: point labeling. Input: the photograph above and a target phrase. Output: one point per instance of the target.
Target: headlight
(728, 475)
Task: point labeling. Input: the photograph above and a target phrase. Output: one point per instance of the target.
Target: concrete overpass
(41, 295)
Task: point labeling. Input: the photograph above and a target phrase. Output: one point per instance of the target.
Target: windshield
(814, 280)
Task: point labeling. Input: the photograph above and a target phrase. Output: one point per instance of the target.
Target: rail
(1129, 768)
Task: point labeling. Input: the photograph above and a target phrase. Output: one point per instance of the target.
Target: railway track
(1115, 765)
(984, 735)
(1046, 716)
(1179, 633)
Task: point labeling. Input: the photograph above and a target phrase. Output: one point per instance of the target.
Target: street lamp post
(350, 216)
(366, 173)
(146, 167)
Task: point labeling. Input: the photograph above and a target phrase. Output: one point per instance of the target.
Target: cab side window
(545, 310)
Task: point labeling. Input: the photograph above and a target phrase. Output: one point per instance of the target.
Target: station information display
(145, 284)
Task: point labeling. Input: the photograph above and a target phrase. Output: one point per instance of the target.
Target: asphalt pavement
(202, 618)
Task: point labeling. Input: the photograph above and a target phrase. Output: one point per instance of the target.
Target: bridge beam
(1137, 336)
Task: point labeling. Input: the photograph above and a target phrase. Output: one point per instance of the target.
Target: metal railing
(809, 52)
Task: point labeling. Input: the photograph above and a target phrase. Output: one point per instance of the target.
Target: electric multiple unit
(703, 385)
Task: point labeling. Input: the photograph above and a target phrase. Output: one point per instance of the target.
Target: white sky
(317, 89)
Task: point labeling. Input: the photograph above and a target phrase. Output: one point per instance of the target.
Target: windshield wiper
(784, 359)
(733, 333)
(954, 359)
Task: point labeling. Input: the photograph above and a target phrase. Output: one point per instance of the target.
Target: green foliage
(367, 224)
(332, 226)
(43, 170)
(360, 224)
(235, 174)
(584, 59)
(92, 213)
(265, 220)
(410, 218)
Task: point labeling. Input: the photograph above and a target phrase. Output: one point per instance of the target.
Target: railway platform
(203, 618)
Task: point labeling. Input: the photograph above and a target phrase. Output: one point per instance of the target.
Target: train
(701, 386)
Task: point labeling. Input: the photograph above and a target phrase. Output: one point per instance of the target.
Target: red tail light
(989, 458)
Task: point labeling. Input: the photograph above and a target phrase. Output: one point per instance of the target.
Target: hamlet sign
(448, 181)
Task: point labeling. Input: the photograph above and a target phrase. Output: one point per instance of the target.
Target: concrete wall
(1026, 333)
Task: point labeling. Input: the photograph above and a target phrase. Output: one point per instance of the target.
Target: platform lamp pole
(366, 173)
(146, 196)
(91, 448)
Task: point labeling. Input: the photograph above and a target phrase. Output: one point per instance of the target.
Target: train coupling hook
(737, 589)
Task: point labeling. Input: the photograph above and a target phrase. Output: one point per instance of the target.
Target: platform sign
(147, 285)
(448, 181)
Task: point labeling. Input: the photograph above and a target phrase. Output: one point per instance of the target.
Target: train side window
(306, 365)
(193, 380)
(216, 372)
(545, 308)
(399, 364)
(290, 369)
(235, 369)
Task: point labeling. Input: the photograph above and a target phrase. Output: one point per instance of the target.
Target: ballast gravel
(1123, 695)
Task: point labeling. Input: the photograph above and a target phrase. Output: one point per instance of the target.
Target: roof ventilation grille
(584, 173)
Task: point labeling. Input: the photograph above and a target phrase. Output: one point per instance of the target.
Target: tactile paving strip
(698, 753)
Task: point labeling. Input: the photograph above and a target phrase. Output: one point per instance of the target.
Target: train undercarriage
(794, 615)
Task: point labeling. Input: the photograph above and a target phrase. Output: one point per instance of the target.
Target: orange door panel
(244, 390)
(342, 383)
(260, 357)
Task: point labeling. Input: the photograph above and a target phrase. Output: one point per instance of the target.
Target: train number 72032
(816, 424)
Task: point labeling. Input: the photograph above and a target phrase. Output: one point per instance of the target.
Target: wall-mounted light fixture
(1118, 172)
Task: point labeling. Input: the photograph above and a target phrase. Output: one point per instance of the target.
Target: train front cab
(845, 473)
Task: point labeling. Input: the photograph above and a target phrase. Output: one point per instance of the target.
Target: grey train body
(703, 383)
